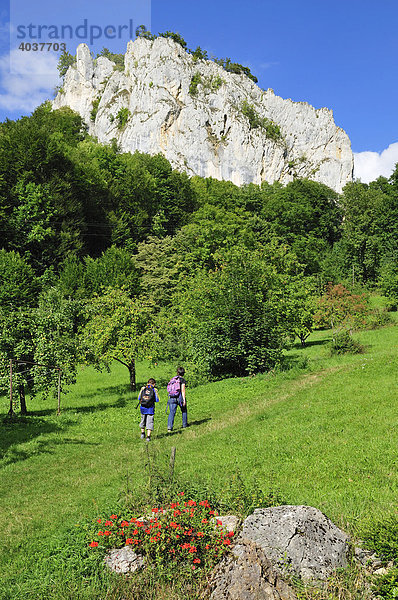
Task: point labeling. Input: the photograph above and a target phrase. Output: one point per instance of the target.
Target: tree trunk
(131, 369)
(22, 399)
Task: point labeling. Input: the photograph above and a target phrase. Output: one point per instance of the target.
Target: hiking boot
(148, 439)
(142, 436)
(169, 431)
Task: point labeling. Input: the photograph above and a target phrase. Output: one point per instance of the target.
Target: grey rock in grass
(228, 522)
(299, 540)
(247, 574)
(124, 560)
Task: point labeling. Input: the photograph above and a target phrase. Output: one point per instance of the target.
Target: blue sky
(340, 54)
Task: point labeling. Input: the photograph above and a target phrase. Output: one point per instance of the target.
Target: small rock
(124, 560)
(228, 522)
(382, 571)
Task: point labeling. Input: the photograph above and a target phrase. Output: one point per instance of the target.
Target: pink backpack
(174, 387)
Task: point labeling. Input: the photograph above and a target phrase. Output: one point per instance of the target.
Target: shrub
(176, 37)
(118, 59)
(232, 67)
(182, 536)
(339, 306)
(122, 117)
(378, 318)
(272, 130)
(199, 54)
(94, 110)
(216, 83)
(195, 81)
(343, 343)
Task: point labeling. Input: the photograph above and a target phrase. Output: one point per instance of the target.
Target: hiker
(176, 391)
(146, 400)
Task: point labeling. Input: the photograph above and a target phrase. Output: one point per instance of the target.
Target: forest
(115, 256)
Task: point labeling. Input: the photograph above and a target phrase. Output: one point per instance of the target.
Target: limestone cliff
(206, 121)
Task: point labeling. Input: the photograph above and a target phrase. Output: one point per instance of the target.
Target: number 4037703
(41, 46)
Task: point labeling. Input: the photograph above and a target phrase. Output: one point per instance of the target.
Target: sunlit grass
(325, 436)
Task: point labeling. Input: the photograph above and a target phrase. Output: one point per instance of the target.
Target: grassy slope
(326, 437)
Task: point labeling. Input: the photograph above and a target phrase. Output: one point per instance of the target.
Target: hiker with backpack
(146, 400)
(176, 391)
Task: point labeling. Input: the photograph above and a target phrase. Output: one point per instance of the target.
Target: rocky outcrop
(247, 574)
(276, 544)
(299, 540)
(204, 120)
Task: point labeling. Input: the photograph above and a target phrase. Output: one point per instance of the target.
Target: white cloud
(27, 79)
(368, 166)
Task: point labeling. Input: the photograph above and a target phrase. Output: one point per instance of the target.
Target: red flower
(192, 549)
(193, 567)
(205, 521)
(172, 551)
(107, 533)
(100, 533)
(93, 544)
(113, 516)
(227, 542)
(181, 493)
(147, 531)
(98, 520)
(129, 541)
(207, 546)
(219, 523)
(197, 561)
(185, 546)
(107, 523)
(140, 524)
(124, 524)
(230, 534)
(200, 534)
(177, 513)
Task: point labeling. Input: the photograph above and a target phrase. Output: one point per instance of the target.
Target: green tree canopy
(117, 328)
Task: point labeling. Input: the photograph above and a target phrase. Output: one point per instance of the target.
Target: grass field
(324, 435)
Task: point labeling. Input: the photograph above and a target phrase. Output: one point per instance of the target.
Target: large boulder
(299, 540)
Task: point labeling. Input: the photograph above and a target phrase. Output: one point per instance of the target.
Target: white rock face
(205, 133)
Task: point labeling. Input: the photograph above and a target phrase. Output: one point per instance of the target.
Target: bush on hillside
(343, 343)
(378, 318)
(340, 307)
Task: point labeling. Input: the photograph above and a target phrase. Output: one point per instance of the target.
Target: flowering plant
(184, 535)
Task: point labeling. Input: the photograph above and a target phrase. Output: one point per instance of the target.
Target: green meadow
(323, 433)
